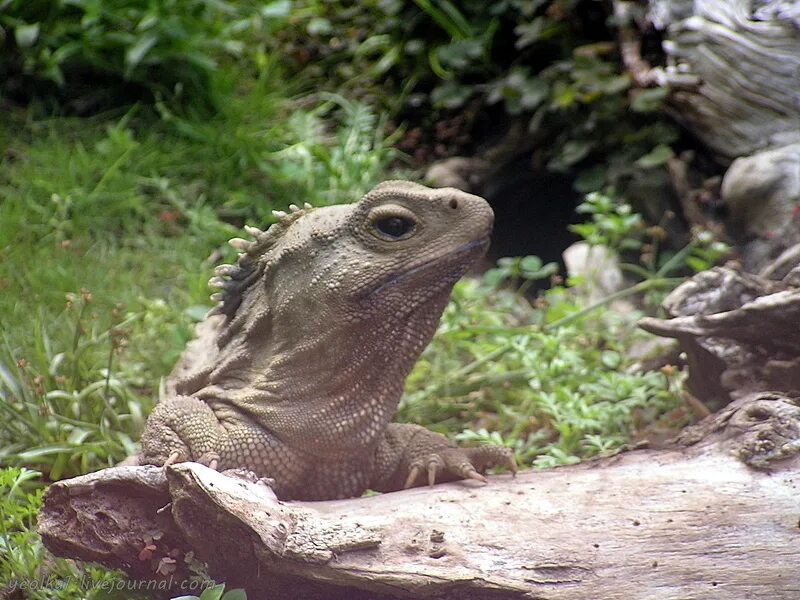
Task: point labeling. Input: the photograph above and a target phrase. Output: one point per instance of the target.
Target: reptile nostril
(454, 203)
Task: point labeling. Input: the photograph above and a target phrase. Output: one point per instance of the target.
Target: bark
(714, 517)
(733, 67)
(739, 330)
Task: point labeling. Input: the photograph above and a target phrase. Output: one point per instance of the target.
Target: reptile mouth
(478, 247)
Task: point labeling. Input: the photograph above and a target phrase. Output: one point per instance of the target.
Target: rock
(762, 192)
(464, 173)
(597, 267)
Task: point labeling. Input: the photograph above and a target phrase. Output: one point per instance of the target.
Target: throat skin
(327, 383)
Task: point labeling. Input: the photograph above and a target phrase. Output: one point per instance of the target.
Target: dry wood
(739, 330)
(733, 67)
(715, 517)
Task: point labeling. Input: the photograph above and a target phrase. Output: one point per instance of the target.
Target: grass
(498, 373)
(26, 570)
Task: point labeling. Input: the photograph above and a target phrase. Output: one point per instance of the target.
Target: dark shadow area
(533, 210)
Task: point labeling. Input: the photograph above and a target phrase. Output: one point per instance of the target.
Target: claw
(512, 466)
(240, 244)
(412, 477)
(431, 473)
(172, 459)
(213, 464)
(473, 474)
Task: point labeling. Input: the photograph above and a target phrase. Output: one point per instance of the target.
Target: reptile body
(303, 362)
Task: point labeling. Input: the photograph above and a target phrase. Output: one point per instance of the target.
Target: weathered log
(734, 68)
(714, 517)
(740, 331)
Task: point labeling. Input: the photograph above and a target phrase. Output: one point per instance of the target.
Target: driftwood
(733, 67)
(740, 331)
(716, 515)
(732, 72)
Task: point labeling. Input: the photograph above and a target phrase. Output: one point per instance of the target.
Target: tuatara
(318, 324)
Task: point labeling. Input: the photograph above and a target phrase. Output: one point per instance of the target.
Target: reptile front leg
(410, 455)
(183, 428)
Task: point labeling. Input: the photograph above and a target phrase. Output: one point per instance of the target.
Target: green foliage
(167, 48)
(552, 64)
(554, 393)
(554, 379)
(25, 567)
(75, 400)
(613, 223)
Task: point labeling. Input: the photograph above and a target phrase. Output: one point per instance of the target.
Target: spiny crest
(234, 279)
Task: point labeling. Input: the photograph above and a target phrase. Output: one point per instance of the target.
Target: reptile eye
(394, 227)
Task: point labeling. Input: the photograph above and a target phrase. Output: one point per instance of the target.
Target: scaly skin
(319, 324)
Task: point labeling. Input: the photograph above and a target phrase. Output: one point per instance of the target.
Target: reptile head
(400, 243)
(328, 310)
(410, 239)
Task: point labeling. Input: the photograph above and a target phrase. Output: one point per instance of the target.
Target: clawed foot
(460, 463)
(209, 459)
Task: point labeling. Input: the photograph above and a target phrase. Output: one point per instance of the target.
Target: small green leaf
(529, 33)
(656, 157)
(459, 55)
(135, 54)
(611, 359)
(319, 26)
(494, 277)
(42, 451)
(235, 594)
(649, 100)
(26, 35)
(213, 593)
(531, 263)
(572, 152)
(450, 95)
(277, 9)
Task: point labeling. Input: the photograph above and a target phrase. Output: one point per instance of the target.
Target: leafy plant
(553, 387)
(25, 567)
(217, 593)
(163, 48)
(613, 224)
(552, 65)
(71, 409)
